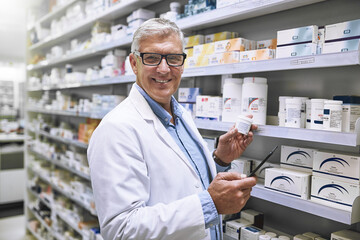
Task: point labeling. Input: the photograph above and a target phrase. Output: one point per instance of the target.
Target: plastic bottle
(243, 124)
(282, 110)
(332, 119)
(254, 95)
(232, 91)
(303, 111)
(317, 112)
(293, 113)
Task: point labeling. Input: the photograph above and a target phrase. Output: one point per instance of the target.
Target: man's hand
(230, 191)
(232, 144)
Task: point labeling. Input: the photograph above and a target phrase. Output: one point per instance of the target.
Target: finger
(254, 127)
(229, 176)
(246, 183)
(227, 136)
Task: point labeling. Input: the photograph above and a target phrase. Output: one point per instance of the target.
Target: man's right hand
(230, 191)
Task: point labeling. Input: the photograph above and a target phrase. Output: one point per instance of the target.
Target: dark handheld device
(262, 162)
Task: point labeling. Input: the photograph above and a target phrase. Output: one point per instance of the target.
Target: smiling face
(159, 82)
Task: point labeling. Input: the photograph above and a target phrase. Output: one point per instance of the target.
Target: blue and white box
(337, 166)
(293, 183)
(295, 158)
(341, 46)
(334, 193)
(188, 95)
(251, 233)
(349, 29)
(297, 50)
(307, 34)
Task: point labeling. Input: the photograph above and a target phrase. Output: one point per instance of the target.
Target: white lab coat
(144, 185)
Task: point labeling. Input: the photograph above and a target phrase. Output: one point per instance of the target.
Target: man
(152, 174)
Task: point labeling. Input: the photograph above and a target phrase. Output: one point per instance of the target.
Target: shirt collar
(159, 111)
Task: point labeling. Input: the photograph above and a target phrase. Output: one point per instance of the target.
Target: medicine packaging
(255, 55)
(297, 158)
(297, 50)
(307, 34)
(342, 30)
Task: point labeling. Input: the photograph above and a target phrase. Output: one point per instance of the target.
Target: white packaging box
(140, 13)
(234, 44)
(350, 113)
(241, 165)
(337, 166)
(308, 34)
(345, 235)
(209, 107)
(334, 193)
(261, 172)
(225, 3)
(287, 181)
(220, 36)
(251, 233)
(255, 55)
(341, 46)
(233, 227)
(297, 50)
(300, 159)
(188, 95)
(342, 30)
(256, 218)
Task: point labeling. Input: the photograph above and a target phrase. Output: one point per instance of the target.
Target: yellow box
(255, 55)
(224, 58)
(235, 44)
(204, 49)
(189, 52)
(190, 62)
(202, 61)
(263, 44)
(194, 40)
(220, 36)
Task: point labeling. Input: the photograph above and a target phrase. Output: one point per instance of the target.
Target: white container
(175, 7)
(317, 113)
(264, 237)
(293, 113)
(308, 114)
(271, 234)
(282, 104)
(303, 110)
(232, 91)
(284, 238)
(254, 95)
(243, 124)
(332, 115)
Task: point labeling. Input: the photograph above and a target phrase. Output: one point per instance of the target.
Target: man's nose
(163, 66)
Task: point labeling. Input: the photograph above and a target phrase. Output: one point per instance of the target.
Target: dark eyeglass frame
(141, 54)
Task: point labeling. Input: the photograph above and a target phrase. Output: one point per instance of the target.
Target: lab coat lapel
(147, 113)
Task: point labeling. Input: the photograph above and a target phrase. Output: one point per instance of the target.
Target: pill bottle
(332, 120)
(264, 237)
(254, 95)
(284, 238)
(232, 90)
(243, 124)
(317, 113)
(271, 234)
(308, 114)
(282, 110)
(303, 111)
(293, 113)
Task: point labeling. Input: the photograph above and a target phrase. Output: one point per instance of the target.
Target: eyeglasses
(154, 59)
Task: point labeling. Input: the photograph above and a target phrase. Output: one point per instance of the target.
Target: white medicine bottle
(254, 95)
(232, 91)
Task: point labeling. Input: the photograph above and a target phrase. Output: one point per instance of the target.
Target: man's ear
(133, 62)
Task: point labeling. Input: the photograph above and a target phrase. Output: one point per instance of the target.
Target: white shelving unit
(195, 24)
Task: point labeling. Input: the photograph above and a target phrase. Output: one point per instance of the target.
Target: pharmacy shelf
(58, 112)
(68, 195)
(29, 206)
(37, 236)
(12, 138)
(237, 12)
(122, 9)
(39, 197)
(99, 50)
(64, 140)
(281, 64)
(60, 164)
(310, 135)
(92, 83)
(308, 206)
(72, 224)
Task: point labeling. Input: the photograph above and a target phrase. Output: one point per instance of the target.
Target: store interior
(64, 65)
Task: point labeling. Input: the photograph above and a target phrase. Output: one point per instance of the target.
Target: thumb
(229, 176)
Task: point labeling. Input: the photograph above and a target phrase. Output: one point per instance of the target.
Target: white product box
(188, 95)
(194, 40)
(261, 172)
(251, 233)
(234, 44)
(287, 181)
(140, 13)
(334, 193)
(190, 62)
(224, 58)
(233, 227)
(296, 158)
(263, 44)
(255, 55)
(311, 235)
(341, 46)
(337, 166)
(225, 3)
(342, 30)
(203, 49)
(308, 34)
(256, 218)
(345, 235)
(190, 107)
(350, 113)
(297, 50)
(209, 107)
(241, 165)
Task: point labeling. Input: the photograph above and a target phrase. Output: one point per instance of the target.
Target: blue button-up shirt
(192, 150)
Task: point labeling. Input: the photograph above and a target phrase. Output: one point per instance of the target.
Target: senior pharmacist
(152, 174)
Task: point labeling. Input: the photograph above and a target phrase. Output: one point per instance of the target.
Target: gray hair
(155, 26)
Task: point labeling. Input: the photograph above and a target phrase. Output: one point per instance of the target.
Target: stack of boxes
(187, 99)
(265, 50)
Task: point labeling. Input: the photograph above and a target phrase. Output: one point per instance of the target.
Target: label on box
(308, 34)
(301, 158)
(342, 30)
